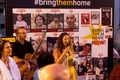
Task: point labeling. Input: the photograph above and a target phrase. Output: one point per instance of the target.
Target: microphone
(68, 53)
(68, 44)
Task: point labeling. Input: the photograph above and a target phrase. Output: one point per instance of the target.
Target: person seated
(44, 59)
(8, 67)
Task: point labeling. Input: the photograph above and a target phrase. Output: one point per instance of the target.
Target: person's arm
(25, 23)
(17, 60)
(59, 59)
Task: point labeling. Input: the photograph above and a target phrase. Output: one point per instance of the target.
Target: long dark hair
(104, 65)
(60, 44)
(2, 43)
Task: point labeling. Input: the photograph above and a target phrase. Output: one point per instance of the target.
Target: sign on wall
(91, 27)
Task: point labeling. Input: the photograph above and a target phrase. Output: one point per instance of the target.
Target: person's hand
(17, 60)
(67, 49)
(28, 56)
(33, 63)
(31, 60)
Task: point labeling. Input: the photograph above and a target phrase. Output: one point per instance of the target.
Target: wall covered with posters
(89, 23)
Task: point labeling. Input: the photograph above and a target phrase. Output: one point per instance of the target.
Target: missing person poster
(83, 20)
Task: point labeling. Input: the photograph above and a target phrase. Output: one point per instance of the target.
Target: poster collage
(90, 30)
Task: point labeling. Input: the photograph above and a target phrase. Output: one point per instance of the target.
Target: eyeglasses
(7, 47)
(22, 33)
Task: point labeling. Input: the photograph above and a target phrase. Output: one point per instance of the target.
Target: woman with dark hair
(100, 69)
(63, 53)
(8, 67)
